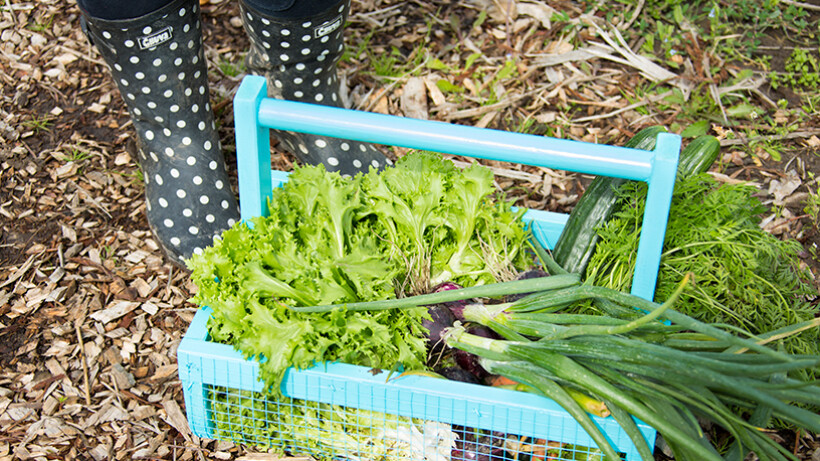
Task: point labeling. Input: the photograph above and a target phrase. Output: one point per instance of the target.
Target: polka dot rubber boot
(158, 64)
(298, 57)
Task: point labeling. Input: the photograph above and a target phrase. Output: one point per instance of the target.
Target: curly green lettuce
(330, 239)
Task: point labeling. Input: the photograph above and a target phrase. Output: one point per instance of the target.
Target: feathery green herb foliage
(744, 276)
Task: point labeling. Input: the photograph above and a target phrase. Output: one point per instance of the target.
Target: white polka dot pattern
(188, 201)
(299, 59)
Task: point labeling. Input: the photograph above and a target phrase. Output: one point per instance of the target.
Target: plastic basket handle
(255, 114)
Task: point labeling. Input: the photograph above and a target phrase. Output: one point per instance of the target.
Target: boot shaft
(157, 60)
(298, 55)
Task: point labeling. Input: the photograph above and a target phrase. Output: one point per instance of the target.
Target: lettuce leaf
(330, 239)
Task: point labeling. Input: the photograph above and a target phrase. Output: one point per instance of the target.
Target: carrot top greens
(743, 276)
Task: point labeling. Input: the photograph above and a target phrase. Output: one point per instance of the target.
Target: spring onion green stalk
(697, 397)
(548, 301)
(683, 320)
(627, 374)
(555, 282)
(480, 314)
(583, 292)
(664, 386)
(635, 362)
(522, 372)
(709, 404)
(695, 342)
(760, 417)
(543, 332)
(551, 266)
(781, 333)
(487, 315)
(589, 404)
(630, 350)
(541, 326)
(570, 371)
(626, 422)
(589, 319)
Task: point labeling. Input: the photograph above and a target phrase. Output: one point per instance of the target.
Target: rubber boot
(299, 56)
(158, 64)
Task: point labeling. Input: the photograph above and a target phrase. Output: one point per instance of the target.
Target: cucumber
(577, 241)
(698, 156)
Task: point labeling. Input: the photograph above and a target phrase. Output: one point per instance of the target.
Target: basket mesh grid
(328, 431)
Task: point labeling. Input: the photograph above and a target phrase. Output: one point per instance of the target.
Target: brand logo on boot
(327, 27)
(157, 38)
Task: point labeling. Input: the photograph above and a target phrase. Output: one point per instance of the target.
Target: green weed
(108, 253)
(732, 30)
(802, 72)
(38, 123)
(526, 126)
(134, 176)
(387, 64)
(812, 208)
(359, 51)
(76, 155)
(231, 69)
(41, 26)
(394, 64)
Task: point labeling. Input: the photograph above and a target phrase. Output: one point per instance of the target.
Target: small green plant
(449, 87)
(387, 64)
(108, 253)
(526, 126)
(138, 176)
(394, 64)
(38, 123)
(812, 208)
(41, 26)
(360, 50)
(76, 155)
(482, 16)
(231, 69)
(802, 71)
(563, 19)
(133, 176)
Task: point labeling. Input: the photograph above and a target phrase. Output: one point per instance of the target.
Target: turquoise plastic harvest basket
(341, 411)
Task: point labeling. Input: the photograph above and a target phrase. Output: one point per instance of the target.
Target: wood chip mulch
(90, 311)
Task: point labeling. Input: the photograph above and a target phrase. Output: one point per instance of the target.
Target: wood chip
(175, 417)
(20, 271)
(164, 372)
(114, 312)
(149, 308)
(414, 99)
(109, 412)
(125, 380)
